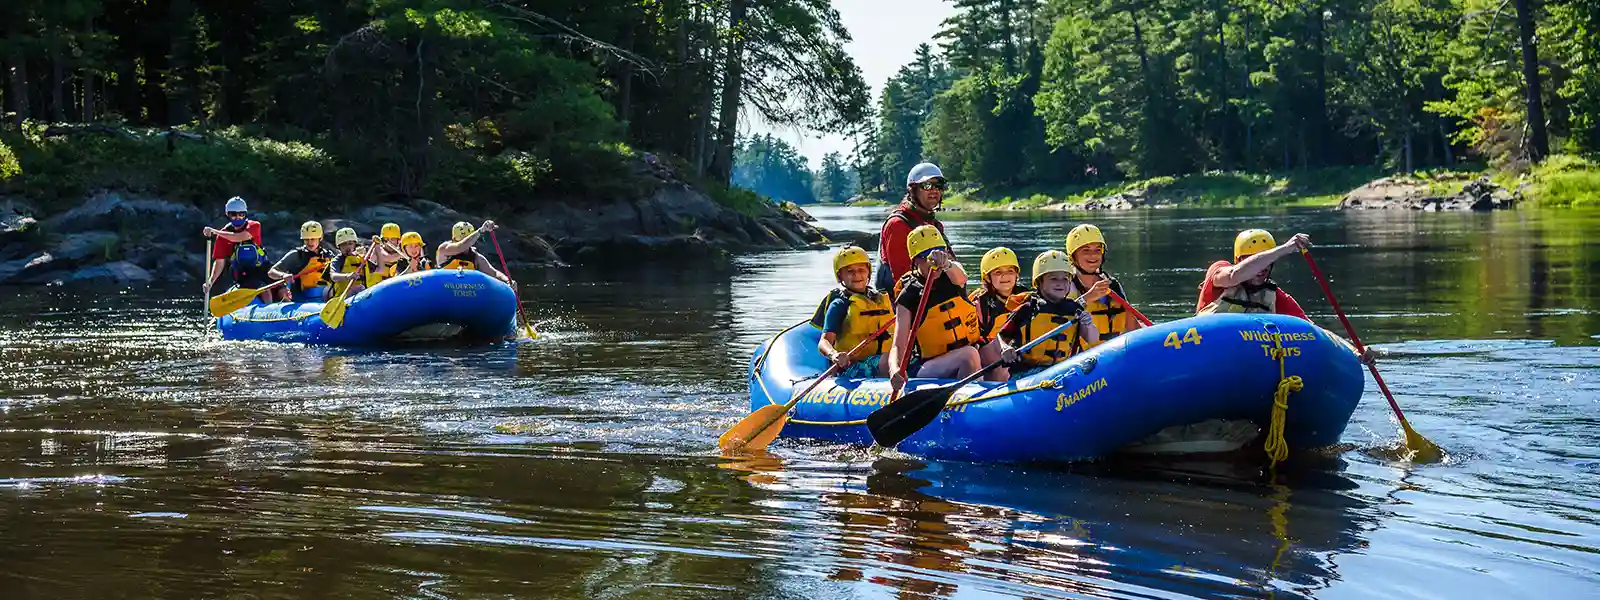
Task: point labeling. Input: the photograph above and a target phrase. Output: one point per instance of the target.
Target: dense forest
(512, 99)
(1037, 93)
(433, 98)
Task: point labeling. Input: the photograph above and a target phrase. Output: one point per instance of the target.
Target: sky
(884, 35)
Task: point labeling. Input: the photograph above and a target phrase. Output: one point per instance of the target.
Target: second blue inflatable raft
(1199, 369)
(430, 305)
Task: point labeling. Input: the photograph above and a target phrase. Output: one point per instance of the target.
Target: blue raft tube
(1225, 368)
(440, 304)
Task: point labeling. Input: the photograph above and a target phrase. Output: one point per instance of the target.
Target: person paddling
(458, 253)
(853, 312)
(925, 186)
(239, 246)
(1090, 286)
(1000, 294)
(945, 336)
(1246, 285)
(310, 265)
(1046, 309)
(351, 269)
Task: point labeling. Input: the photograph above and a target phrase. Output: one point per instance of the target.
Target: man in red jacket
(925, 186)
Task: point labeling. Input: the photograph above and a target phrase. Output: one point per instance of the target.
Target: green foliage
(771, 167)
(1563, 181)
(9, 167)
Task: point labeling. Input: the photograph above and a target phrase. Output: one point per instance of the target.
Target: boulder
(1124, 201)
(88, 246)
(114, 211)
(1414, 194)
(863, 239)
(120, 273)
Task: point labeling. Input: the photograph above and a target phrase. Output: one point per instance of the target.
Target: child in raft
(940, 342)
(347, 271)
(853, 312)
(1001, 293)
(1047, 308)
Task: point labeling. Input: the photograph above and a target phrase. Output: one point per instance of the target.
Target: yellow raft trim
(1053, 384)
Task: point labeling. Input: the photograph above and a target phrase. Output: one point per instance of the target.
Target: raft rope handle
(1054, 384)
(1277, 447)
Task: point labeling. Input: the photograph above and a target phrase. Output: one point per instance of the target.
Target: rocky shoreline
(1403, 193)
(120, 238)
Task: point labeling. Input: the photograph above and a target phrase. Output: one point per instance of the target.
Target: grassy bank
(1560, 181)
(290, 172)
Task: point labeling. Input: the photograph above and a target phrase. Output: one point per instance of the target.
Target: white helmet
(923, 172)
(235, 204)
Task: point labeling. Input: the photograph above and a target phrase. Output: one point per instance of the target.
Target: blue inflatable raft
(1217, 368)
(431, 305)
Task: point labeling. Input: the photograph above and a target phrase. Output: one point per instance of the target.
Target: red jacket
(1209, 292)
(223, 248)
(892, 240)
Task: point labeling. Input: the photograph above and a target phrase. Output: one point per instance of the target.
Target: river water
(143, 457)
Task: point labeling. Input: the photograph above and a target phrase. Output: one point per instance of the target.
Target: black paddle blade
(894, 423)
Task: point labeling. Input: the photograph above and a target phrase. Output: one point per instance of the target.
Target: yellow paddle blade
(756, 431)
(333, 312)
(1422, 450)
(228, 302)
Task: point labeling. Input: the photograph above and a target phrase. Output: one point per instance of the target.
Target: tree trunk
(58, 80)
(1444, 143)
(1225, 110)
(1410, 168)
(1538, 139)
(625, 78)
(17, 65)
(1319, 120)
(86, 77)
(180, 68)
(732, 82)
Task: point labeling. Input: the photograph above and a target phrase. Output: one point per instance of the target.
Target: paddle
(899, 419)
(333, 312)
(916, 323)
(527, 326)
(1422, 449)
(230, 301)
(205, 295)
(756, 431)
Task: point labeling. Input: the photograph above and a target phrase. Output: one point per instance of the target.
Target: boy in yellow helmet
(1246, 285)
(412, 255)
(1046, 309)
(309, 265)
(347, 267)
(1001, 293)
(1087, 248)
(458, 253)
(948, 331)
(853, 312)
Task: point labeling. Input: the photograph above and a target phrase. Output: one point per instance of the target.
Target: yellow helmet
(1252, 241)
(390, 231)
(923, 239)
(1083, 235)
(1050, 261)
(310, 230)
(461, 230)
(411, 237)
(849, 255)
(343, 235)
(996, 258)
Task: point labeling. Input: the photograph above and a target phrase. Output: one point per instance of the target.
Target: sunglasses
(237, 214)
(933, 184)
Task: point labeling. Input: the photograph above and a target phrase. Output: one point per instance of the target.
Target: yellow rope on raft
(1278, 448)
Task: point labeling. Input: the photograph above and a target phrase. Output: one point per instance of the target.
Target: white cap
(235, 204)
(923, 172)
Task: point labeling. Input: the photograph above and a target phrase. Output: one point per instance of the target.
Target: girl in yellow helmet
(851, 313)
(1047, 308)
(947, 332)
(1001, 293)
(412, 258)
(1091, 286)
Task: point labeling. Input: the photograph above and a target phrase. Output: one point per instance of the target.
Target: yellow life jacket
(1110, 317)
(348, 263)
(464, 260)
(377, 276)
(1047, 317)
(315, 272)
(950, 323)
(868, 313)
(1245, 298)
(994, 312)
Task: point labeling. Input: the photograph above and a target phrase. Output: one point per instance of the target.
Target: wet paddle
(758, 430)
(916, 323)
(233, 300)
(527, 326)
(205, 295)
(1422, 449)
(899, 419)
(333, 312)
(1136, 314)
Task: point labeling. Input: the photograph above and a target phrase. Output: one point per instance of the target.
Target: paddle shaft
(1350, 329)
(835, 367)
(206, 294)
(916, 323)
(507, 271)
(1136, 314)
